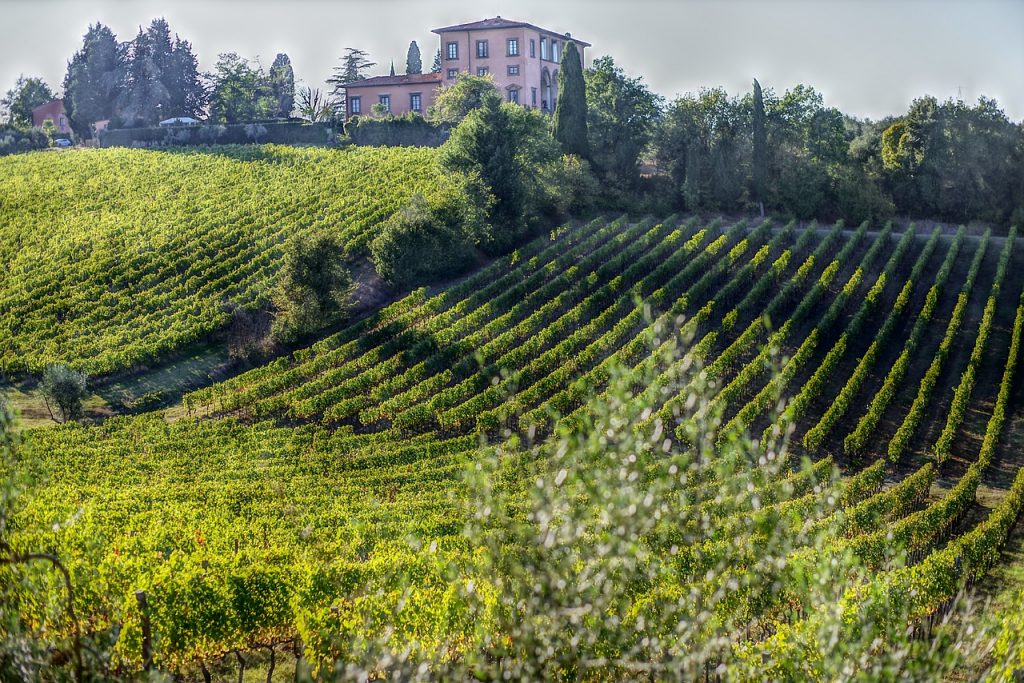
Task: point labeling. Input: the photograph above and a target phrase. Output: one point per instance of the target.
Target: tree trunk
(270, 669)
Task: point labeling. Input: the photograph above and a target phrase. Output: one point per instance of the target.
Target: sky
(869, 58)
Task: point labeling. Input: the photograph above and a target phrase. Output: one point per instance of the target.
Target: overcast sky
(869, 58)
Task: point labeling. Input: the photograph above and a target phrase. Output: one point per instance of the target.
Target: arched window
(545, 91)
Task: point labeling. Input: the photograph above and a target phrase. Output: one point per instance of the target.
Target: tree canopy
(27, 94)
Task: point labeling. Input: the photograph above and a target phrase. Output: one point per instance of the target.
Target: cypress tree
(760, 161)
(413, 60)
(571, 111)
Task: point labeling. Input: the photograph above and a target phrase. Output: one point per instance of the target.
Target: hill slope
(298, 485)
(111, 258)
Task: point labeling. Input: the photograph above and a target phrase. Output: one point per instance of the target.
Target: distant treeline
(945, 160)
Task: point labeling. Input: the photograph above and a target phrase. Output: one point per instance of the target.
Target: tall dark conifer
(571, 111)
(759, 175)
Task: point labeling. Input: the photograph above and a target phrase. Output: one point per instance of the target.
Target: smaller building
(52, 111)
(396, 95)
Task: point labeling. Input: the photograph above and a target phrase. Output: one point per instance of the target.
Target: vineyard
(115, 258)
(335, 501)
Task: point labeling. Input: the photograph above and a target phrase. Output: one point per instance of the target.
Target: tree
(282, 86)
(759, 173)
(435, 68)
(468, 93)
(314, 288)
(354, 66)
(93, 83)
(63, 389)
(621, 115)
(189, 96)
(392, 68)
(413, 60)
(240, 92)
(503, 145)
(27, 94)
(571, 112)
(143, 96)
(313, 105)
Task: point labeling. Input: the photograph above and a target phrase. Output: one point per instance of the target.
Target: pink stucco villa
(522, 59)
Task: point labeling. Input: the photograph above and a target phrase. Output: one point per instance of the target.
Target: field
(334, 496)
(115, 258)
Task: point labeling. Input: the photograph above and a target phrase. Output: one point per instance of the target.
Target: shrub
(421, 243)
(568, 187)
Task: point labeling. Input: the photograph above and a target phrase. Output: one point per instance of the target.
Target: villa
(522, 59)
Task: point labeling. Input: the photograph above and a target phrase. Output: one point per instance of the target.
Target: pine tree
(413, 60)
(571, 112)
(282, 86)
(188, 95)
(392, 67)
(760, 161)
(436, 67)
(353, 67)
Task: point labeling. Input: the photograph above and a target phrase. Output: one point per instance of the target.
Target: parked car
(62, 142)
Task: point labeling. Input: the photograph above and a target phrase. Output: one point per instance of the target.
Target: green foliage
(420, 244)
(467, 94)
(621, 117)
(27, 94)
(240, 92)
(314, 287)
(702, 144)
(502, 144)
(64, 390)
(570, 127)
(569, 188)
(157, 78)
(15, 140)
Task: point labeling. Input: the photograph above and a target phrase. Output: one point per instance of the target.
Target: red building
(52, 111)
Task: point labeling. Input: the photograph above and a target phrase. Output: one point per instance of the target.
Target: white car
(62, 142)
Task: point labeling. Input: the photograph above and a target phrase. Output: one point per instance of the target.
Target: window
(554, 51)
(357, 104)
(453, 50)
(513, 47)
(533, 96)
(482, 71)
(513, 95)
(533, 48)
(543, 48)
(513, 69)
(453, 73)
(416, 101)
(481, 49)
(385, 101)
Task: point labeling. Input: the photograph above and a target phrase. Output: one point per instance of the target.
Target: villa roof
(404, 79)
(498, 22)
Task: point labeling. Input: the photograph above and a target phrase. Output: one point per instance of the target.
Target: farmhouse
(522, 59)
(51, 111)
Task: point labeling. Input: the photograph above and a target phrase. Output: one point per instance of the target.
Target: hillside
(311, 496)
(114, 258)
